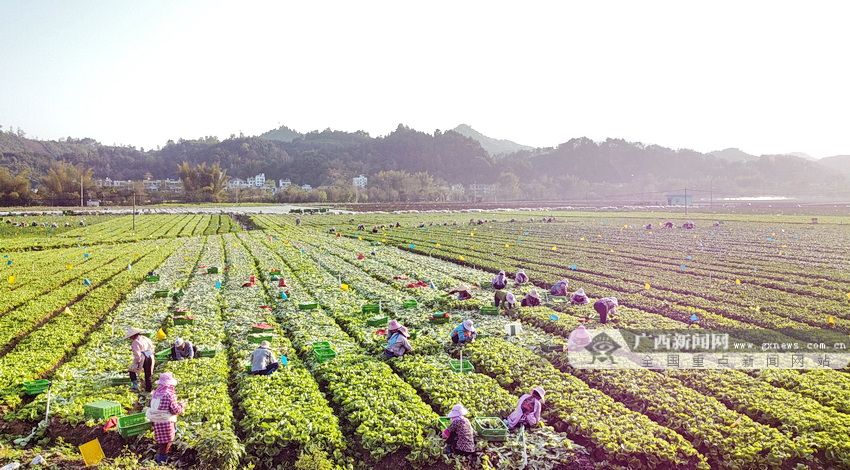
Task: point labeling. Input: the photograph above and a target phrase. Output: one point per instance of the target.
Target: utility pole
(134, 211)
(81, 188)
(686, 201)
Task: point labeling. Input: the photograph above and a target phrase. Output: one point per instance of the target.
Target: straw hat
(132, 332)
(265, 345)
(393, 325)
(458, 410)
(540, 392)
(166, 378)
(178, 342)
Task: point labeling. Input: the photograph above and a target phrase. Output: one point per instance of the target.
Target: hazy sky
(766, 77)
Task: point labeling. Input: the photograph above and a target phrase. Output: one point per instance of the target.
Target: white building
(360, 182)
(257, 181)
(306, 187)
(283, 184)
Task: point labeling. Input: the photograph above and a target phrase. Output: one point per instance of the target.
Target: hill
(282, 133)
(492, 146)
(734, 155)
(839, 163)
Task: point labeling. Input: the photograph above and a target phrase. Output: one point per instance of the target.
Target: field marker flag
(12, 280)
(647, 286)
(553, 317)
(554, 248)
(573, 267)
(69, 266)
(694, 317)
(92, 453)
(218, 284)
(738, 282)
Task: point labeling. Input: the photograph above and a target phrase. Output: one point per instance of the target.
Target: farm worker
(579, 297)
(604, 307)
(830, 320)
(463, 333)
(560, 288)
(297, 221)
(459, 436)
(500, 281)
(397, 343)
(163, 414)
(688, 225)
(504, 297)
(668, 224)
(648, 226)
(284, 295)
(263, 361)
(579, 338)
(462, 292)
(360, 256)
(532, 299)
(520, 277)
(182, 350)
(281, 282)
(527, 410)
(143, 360)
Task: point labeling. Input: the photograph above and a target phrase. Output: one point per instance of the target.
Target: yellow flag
(507, 246)
(69, 266)
(461, 258)
(344, 287)
(647, 286)
(830, 320)
(738, 282)
(360, 238)
(438, 245)
(848, 296)
(554, 248)
(160, 335)
(12, 281)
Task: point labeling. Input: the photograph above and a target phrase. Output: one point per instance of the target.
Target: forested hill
(577, 168)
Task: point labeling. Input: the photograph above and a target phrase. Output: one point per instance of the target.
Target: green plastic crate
(324, 355)
(439, 317)
(461, 366)
(378, 321)
(371, 308)
(321, 345)
(443, 422)
(133, 425)
(102, 409)
(183, 320)
(258, 338)
(207, 352)
(160, 294)
(212, 270)
(162, 356)
(152, 279)
(34, 387)
(410, 303)
(490, 428)
(115, 381)
(551, 347)
(308, 306)
(489, 310)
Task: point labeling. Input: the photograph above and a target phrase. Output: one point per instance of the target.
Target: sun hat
(539, 391)
(510, 298)
(458, 411)
(393, 325)
(166, 378)
(178, 342)
(265, 345)
(469, 326)
(132, 332)
(533, 293)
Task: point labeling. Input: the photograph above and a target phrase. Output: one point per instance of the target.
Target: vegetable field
(67, 297)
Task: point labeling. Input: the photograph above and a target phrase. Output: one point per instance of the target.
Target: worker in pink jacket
(527, 410)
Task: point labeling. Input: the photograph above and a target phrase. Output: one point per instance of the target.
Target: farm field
(67, 297)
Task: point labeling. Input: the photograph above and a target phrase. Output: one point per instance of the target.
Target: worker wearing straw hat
(462, 292)
(163, 414)
(397, 343)
(528, 409)
(143, 358)
(459, 436)
(464, 333)
(263, 361)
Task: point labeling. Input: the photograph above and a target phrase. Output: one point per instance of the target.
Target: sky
(762, 76)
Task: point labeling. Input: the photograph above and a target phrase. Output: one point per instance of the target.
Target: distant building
(257, 181)
(479, 192)
(306, 187)
(93, 202)
(360, 181)
(679, 199)
(283, 184)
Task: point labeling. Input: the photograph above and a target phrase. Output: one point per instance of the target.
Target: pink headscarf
(165, 385)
